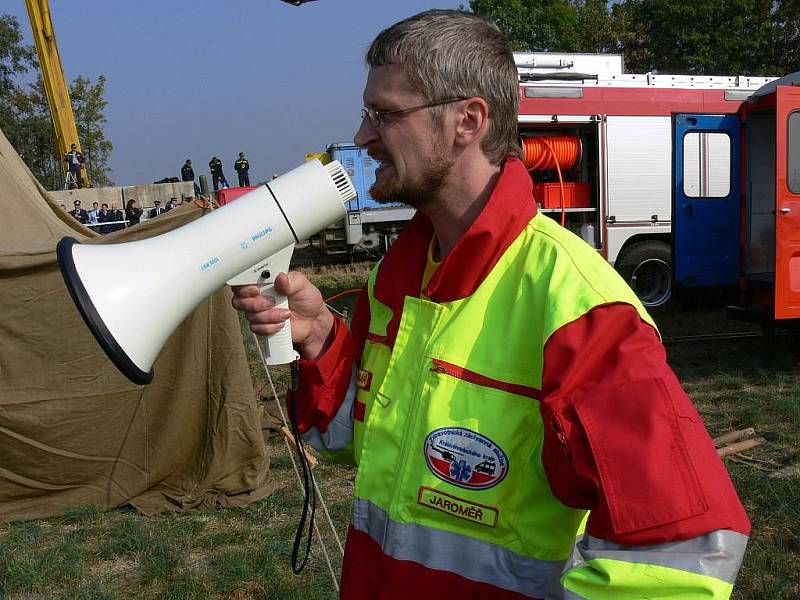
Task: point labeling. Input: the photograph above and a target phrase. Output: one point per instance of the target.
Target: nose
(365, 134)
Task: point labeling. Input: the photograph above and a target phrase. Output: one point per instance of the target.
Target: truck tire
(647, 268)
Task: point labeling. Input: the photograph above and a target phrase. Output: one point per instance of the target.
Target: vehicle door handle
(688, 209)
(786, 210)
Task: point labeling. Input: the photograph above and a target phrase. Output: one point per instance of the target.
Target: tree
(703, 37)
(15, 60)
(88, 102)
(711, 37)
(533, 24)
(25, 114)
(14, 57)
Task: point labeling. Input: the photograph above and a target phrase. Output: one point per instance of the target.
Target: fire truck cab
(612, 136)
(770, 228)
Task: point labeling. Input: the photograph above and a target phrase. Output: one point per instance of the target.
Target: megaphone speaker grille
(342, 182)
(92, 318)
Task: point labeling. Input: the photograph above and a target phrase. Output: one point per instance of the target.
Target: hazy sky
(193, 79)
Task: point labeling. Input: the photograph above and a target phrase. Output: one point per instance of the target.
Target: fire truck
(677, 180)
(601, 146)
(649, 169)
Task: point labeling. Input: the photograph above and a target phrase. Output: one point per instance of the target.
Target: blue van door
(706, 193)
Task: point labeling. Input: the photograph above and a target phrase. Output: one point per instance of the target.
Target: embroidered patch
(458, 507)
(364, 379)
(465, 458)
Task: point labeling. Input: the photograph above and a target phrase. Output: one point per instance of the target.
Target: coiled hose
(547, 152)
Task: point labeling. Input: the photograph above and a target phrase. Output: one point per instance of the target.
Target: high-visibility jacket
(487, 413)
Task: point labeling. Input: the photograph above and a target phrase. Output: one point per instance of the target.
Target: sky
(196, 79)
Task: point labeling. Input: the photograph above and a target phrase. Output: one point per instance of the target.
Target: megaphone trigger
(278, 348)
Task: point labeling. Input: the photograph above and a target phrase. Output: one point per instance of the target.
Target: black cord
(309, 494)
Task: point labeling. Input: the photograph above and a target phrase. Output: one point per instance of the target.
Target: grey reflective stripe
(717, 554)
(340, 430)
(470, 558)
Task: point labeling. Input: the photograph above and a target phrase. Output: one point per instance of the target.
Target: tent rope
(317, 490)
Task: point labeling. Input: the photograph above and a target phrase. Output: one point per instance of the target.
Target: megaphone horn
(179, 269)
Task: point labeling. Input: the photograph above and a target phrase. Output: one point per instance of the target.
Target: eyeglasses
(376, 116)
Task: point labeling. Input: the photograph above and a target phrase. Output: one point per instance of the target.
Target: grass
(245, 553)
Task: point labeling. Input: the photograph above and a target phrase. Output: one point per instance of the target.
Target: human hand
(312, 322)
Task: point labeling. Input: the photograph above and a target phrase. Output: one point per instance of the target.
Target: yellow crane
(55, 84)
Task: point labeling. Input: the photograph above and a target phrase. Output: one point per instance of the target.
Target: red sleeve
(324, 381)
(623, 439)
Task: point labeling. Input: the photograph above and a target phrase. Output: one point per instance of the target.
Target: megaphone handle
(278, 349)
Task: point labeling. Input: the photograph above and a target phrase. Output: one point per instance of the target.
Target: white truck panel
(639, 164)
(618, 235)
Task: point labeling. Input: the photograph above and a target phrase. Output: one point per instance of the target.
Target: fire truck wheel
(647, 267)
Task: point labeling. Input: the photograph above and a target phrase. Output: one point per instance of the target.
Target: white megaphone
(247, 241)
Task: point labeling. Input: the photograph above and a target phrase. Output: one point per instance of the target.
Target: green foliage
(710, 37)
(14, 57)
(88, 102)
(531, 24)
(25, 115)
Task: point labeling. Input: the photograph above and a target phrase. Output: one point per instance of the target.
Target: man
(116, 218)
(74, 159)
(187, 173)
(156, 210)
(103, 217)
(218, 177)
(173, 202)
(242, 167)
(93, 214)
(80, 215)
(499, 379)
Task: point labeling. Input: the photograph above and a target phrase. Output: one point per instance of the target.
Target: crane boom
(55, 83)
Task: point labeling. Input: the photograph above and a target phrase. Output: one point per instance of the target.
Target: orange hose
(340, 294)
(546, 152)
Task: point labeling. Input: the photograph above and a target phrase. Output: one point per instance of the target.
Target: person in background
(242, 167)
(93, 214)
(80, 215)
(217, 176)
(133, 213)
(173, 202)
(74, 159)
(116, 218)
(274, 175)
(506, 397)
(156, 210)
(187, 172)
(102, 218)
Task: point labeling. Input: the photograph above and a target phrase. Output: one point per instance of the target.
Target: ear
(473, 120)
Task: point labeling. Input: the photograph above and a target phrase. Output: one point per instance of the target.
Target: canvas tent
(73, 430)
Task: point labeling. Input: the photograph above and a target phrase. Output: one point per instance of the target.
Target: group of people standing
(105, 220)
(241, 166)
(100, 218)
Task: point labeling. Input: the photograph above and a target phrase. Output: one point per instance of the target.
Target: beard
(420, 191)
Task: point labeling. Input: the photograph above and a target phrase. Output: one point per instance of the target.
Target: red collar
(508, 210)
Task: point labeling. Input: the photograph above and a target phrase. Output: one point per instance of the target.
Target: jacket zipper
(451, 370)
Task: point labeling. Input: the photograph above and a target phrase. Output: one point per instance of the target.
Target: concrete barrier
(145, 195)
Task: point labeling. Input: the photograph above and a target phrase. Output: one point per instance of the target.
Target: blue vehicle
(371, 225)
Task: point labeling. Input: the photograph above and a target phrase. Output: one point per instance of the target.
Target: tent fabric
(75, 431)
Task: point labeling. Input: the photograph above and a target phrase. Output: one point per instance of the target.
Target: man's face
(77, 205)
(94, 205)
(411, 147)
(73, 147)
